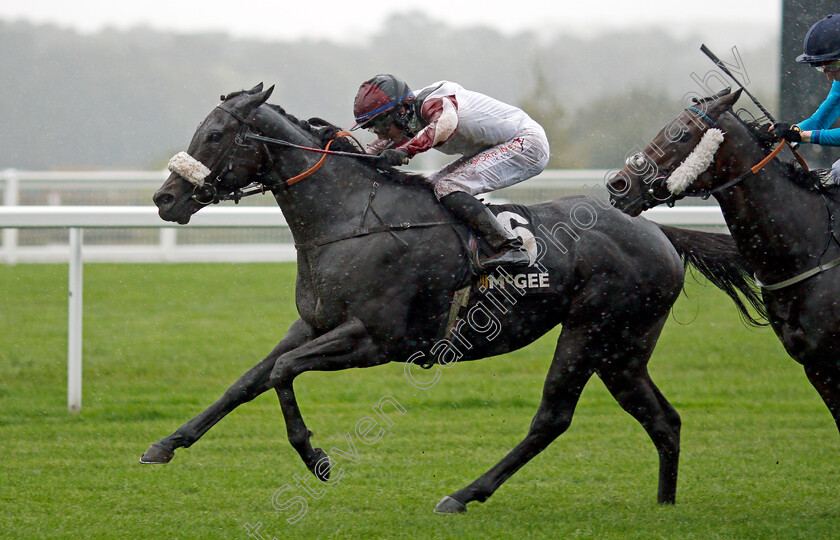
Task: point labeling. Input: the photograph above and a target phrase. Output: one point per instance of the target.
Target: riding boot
(507, 247)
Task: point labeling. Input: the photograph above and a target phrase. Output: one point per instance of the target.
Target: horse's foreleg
(347, 346)
(253, 383)
(570, 370)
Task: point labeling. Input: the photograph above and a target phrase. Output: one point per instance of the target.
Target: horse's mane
(753, 127)
(791, 168)
(325, 132)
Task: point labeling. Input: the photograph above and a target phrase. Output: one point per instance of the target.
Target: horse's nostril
(617, 186)
(163, 199)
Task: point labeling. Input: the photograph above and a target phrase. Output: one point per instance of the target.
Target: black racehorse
(779, 214)
(378, 262)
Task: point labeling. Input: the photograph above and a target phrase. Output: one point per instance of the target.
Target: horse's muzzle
(174, 203)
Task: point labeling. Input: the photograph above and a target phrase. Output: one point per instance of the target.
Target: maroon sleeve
(441, 116)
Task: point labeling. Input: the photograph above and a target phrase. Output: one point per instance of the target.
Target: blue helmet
(822, 42)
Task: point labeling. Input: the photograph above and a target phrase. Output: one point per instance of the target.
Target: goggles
(381, 125)
(830, 67)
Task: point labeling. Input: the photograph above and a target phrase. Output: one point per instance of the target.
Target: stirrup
(513, 256)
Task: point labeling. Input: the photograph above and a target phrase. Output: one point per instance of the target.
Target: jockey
(499, 146)
(822, 52)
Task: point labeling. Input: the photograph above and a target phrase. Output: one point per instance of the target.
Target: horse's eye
(214, 136)
(685, 137)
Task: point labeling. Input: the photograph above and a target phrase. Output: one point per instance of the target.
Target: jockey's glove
(766, 134)
(789, 132)
(392, 158)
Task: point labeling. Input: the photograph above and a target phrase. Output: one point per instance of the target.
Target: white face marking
(636, 161)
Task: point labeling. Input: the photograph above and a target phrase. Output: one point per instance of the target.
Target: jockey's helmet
(822, 42)
(381, 95)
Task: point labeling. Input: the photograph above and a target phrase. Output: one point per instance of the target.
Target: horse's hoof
(322, 471)
(448, 505)
(157, 454)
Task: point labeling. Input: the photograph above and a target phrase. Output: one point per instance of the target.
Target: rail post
(11, 197)
(74, 324)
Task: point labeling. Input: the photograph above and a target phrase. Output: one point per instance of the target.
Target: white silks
(696, 163)
(189, 168)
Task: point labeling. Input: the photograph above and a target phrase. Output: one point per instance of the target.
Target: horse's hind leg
(634, 390)
(253, 383)
(826, 379)
(570, 370)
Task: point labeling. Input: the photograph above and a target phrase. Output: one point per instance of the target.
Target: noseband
(680, 175)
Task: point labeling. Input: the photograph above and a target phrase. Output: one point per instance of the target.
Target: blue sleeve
(823, 118)
(826, 137)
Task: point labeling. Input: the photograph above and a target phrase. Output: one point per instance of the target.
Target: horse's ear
(724, 101)
(267, 93)
(724, 92)
(731, 99)
(251, 101)
(257, 89)
(261, 97)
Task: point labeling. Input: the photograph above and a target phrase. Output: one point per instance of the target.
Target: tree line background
(132, 98)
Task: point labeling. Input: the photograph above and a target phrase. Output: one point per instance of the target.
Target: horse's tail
(715, 256)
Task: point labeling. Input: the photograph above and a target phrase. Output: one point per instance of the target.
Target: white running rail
(78, 218)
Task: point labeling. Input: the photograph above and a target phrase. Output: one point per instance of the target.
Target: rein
(755, 168)
(306, 174)
(325, 151)
(760, 165)
(206, 180)
(360, 231)
(207, 192)
(280, 142)
(753, 171)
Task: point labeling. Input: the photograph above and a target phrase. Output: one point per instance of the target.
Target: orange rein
(314, 168)
(760, 165)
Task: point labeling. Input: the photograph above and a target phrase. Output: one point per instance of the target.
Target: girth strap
(365, 231)
(801, 277)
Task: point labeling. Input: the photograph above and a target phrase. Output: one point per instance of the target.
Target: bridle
(649, 198)
(210, 191)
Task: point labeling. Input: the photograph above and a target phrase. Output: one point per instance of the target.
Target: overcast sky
(350, 19)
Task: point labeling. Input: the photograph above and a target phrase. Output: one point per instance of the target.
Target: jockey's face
(394, 133)
(831, 69)
(387, 128)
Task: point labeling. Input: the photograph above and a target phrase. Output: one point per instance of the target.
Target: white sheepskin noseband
(696, 163)
(189, 168)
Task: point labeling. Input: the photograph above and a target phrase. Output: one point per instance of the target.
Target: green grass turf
(161, 342)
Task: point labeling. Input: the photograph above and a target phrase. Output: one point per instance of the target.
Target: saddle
(517, 280)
